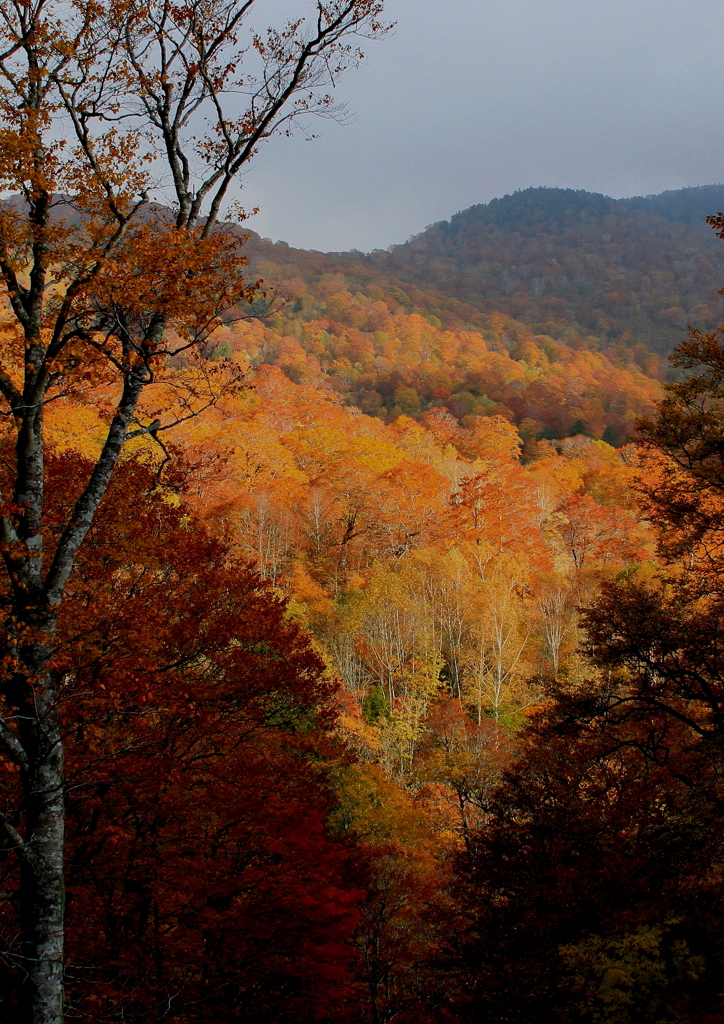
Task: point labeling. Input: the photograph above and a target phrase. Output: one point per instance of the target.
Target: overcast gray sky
(470, 99)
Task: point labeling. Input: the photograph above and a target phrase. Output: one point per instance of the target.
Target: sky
(468, 100)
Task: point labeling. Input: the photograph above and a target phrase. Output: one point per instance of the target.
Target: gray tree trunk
(42, 879)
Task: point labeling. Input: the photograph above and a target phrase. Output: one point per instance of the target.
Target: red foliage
(498, 507)
(201, 879)
(595, 533)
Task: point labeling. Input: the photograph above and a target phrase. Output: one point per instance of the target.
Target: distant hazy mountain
(634, 271)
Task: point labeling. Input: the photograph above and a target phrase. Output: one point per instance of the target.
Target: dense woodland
(625, 276)
(390, 352)
(343, 741)
(624, 271)
(362, 656)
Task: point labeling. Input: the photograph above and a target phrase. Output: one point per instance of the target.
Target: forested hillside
(625, 276)
(626, 271)
(392, 351)
(584, 293)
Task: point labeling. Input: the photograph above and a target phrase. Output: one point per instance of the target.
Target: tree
(557, 624)
(593, 533)
(495, 512)
(193, 719)
(464, 758)
(590, 891)
(684, 445)
(108, 297)
(496, 680)
(404, 913)
(657, 634)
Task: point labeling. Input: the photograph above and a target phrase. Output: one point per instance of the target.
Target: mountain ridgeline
(620, 271)
(552, 307)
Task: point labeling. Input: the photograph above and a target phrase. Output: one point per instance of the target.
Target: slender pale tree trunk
(42, 888)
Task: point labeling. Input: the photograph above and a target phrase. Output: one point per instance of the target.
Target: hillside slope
(625, 271)
(550, 307)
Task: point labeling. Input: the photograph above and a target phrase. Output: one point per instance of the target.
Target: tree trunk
(42, 888)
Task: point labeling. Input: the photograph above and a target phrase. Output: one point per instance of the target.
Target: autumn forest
(362, 613)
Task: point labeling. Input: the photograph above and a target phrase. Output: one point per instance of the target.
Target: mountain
(550, 307)
(619, 271)
(393, 348)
